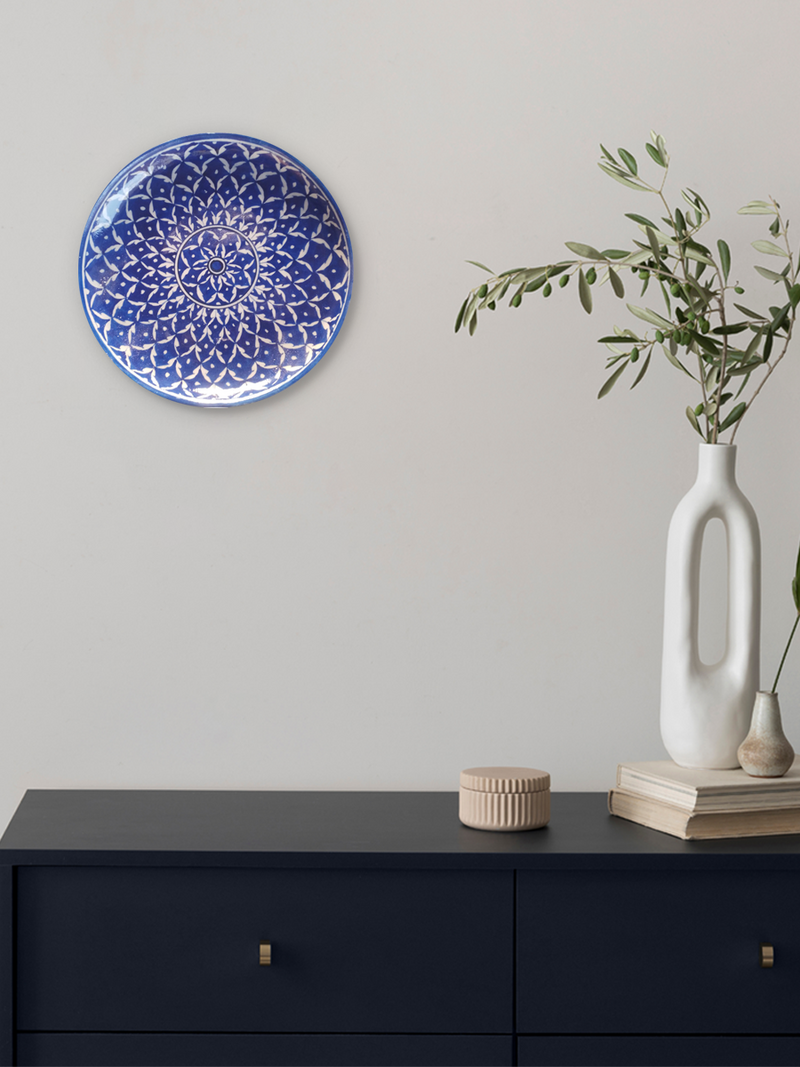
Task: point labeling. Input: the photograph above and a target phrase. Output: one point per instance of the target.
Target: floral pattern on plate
(215, 270)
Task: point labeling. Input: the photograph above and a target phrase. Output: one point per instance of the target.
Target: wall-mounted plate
(215, 270)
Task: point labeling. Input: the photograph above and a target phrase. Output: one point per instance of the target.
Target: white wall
(431, 552)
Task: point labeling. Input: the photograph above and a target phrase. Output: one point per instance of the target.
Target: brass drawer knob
(767, 953)
(265, 953)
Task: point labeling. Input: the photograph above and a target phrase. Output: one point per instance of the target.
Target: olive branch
(694, 286)
(796, 599)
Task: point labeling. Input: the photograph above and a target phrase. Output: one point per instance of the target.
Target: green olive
(547, 289)
(562, 281)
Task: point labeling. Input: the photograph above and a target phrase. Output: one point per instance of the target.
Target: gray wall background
(431, 552)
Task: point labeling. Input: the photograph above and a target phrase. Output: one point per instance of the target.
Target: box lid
(505, 779)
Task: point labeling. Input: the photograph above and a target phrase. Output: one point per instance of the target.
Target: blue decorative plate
(215, 270)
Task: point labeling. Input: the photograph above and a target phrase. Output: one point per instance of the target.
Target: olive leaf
(635, 258)
(616, 283)
(585, 251)
(641, 220)
(623, 180)
(471, 310)
(655, 155)
(584, 292)
(628, 160)
(525, 275)
(690, 415)
(460, 316)
(753, 345)
(650, 316)
(699, 201)
(735, 327)
(779, 317)
(557, 268)
(751, 314)
(705, 343)
(692, 253)
(768, 341)
(643, 371)
(724, 258)
(654, 245)
(770, 248)
(770, 274)
(733, 416)
(609, 383)
(756, 207)
(676, 362)
(516, 270)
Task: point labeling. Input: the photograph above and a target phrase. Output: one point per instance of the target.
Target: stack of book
(700, 804)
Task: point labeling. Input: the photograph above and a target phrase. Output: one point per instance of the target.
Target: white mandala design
(215, 270)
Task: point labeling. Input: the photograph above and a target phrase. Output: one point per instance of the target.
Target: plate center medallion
(216, 266)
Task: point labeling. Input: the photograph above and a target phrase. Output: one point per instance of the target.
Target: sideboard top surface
(345, 829)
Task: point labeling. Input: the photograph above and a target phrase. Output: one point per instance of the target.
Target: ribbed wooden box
(504, 798)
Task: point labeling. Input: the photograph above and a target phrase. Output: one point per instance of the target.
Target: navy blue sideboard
(132, 924)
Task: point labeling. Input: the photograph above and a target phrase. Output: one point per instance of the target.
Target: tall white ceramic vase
(706, 709)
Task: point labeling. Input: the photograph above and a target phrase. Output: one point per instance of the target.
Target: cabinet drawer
(142, 949)
(263, 1050)
(661, 1051)
(657, 952)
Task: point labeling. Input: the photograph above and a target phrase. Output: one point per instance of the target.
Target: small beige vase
(765, 752)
